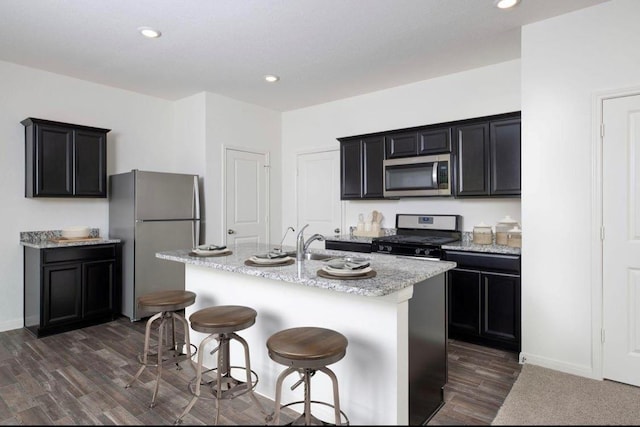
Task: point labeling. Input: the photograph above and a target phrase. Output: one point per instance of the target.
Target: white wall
(566, 62)
(484, 91)
(236, 124)
(141, 137)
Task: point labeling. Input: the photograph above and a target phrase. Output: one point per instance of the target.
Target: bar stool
(166, 304)
(222, 323)
(307, 350)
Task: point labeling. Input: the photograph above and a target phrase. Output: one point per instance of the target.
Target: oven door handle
(434, 175)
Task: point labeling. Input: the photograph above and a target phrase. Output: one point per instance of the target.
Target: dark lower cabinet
(484, 299)
(70, 287)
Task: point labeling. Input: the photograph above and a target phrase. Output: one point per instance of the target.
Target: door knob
(230, 231)
(337, 231)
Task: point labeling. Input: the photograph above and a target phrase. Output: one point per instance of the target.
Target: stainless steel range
(420, 235)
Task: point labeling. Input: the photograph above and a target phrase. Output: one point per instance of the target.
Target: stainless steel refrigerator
(152, 212)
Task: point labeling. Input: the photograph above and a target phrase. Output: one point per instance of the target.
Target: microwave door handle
(434, 174)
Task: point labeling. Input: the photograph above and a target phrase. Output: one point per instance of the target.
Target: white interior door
(318, 193)
(621, 245)
(247, 197)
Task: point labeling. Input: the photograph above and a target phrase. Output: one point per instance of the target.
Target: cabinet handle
(337, 231)
(230, 231)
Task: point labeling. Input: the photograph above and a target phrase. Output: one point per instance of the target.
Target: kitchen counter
(391, 275)
(42, 239)
(394, 369)
(463, 245)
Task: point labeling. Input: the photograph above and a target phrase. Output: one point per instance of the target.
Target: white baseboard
(558, 365)
(10, 325)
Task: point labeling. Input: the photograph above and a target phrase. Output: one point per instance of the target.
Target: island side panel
(373, 375)
(427, 349)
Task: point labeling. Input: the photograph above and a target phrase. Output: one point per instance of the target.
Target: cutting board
(79, 239)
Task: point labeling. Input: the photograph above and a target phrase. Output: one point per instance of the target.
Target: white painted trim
(557, 365)
(597, 283)
(223, 180)
(10, 325)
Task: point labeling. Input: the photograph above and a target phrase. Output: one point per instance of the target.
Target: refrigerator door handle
(196, 234)
(196, 197)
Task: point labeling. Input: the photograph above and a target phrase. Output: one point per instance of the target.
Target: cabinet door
(472, 160)
(434, 141)
(350, 170)
(464, 302)
(54, 161)
(404, 144)
(62, 297)
(501, 308)
(90, 163)
(98, 280)
(505, 157)
(373, 156)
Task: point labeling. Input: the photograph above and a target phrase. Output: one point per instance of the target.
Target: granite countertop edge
(42, 239)
(391, 276)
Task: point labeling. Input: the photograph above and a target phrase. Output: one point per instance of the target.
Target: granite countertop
(42, 239)
(465, 244)
(392, 273)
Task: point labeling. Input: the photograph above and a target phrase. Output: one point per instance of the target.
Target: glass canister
(514, 237)
(482, 234)
(502, 229)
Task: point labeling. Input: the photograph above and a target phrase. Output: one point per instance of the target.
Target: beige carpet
(546, 397)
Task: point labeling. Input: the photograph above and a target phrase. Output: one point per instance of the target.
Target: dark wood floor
(78, 378)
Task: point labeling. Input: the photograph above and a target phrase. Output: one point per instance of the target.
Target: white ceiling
(323, 50)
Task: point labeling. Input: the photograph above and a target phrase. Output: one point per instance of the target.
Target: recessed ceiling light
(271, 78)
(506, 4)
(149, 32)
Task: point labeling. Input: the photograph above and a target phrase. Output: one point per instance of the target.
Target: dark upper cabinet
(417, 143)
(505, 157)
(434, 141)
(472, 160)
(361, 168)
(487, 157)
(402, 144)
(64, 160)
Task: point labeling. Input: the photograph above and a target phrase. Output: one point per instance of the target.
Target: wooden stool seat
(166, 300)
(307, 347)
(306, 350)
(222, 319)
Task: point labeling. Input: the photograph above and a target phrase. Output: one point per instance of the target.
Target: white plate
(343, 264)
(269, 261)
(345, 272)
(199, 251)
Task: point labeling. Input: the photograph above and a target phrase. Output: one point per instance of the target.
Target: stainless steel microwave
(418, 176)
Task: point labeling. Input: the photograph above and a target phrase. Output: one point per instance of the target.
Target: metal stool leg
(147, 336)
(198, 379)
(159, 367)
(336, 397)
(247, 366)
(281, 377)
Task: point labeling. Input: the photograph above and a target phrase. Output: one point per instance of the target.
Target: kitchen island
(395, 322)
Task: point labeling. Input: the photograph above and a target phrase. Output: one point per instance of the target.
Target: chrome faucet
(301, 246)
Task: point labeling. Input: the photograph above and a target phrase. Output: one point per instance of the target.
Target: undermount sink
(318, 257)
(313, 256)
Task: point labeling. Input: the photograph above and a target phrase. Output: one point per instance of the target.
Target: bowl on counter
(76, 232)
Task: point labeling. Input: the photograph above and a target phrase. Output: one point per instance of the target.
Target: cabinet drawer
(76, 253)
(485, 262)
